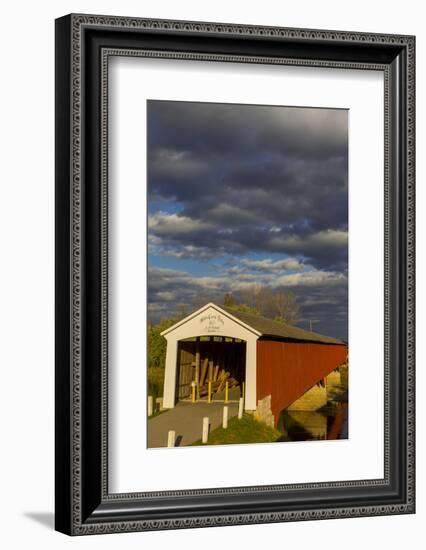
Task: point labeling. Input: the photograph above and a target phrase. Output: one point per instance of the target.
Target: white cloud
(290, 264)
(312, 278)
(167, 224)
(167, 296)
(161, 279)
(187, 251)
(330, 238)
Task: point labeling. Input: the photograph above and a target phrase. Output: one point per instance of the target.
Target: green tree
(232, 304)
(157, 344)
(229, 300)
(246, 309)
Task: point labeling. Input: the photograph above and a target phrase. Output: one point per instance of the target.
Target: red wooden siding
(286, 370)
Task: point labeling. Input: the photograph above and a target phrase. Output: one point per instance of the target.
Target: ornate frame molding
(76, 510)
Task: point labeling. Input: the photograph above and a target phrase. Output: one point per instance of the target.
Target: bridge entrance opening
(219, 360)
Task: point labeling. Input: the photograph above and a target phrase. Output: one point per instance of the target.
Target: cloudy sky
(245, 194)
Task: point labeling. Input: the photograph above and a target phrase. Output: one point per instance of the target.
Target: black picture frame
(83, 504)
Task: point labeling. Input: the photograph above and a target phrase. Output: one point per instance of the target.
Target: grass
(246, 430)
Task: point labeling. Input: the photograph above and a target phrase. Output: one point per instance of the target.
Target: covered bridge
(270, 358)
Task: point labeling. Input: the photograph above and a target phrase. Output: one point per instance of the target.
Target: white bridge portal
(210, 320)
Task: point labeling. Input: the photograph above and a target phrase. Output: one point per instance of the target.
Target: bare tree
(284, 306)
(181, 311)
(256, 296)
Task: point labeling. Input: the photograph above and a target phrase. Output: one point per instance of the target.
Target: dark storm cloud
(248, 128)
(249, 178)
(257, 194)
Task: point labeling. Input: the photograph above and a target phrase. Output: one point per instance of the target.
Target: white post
(205, 435)
(150, 405)
(197, 373)
(240, 408)
(170, 374)
(171, 438)
(225, 417)
(250, 381)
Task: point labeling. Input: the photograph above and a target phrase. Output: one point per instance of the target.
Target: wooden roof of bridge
(261, 326)
(275, 329)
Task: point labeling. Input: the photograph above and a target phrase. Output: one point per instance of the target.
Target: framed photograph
(234, 274)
